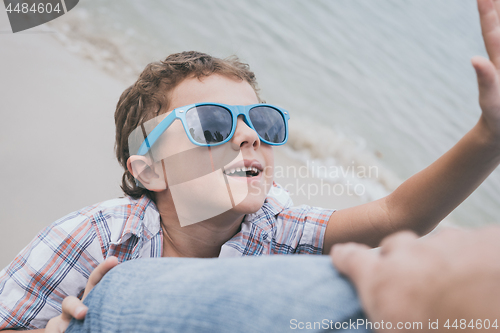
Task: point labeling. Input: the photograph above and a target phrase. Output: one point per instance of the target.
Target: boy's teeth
(243, 169)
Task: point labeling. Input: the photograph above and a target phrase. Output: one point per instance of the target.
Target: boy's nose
(244, 136)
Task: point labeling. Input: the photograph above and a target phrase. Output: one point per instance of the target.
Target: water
(385, 83)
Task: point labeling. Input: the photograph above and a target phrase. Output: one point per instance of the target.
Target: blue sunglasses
(212, 124)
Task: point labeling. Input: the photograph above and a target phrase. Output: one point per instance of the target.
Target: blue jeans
(249, 294)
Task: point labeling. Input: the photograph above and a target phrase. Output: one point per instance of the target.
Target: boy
(229, 178)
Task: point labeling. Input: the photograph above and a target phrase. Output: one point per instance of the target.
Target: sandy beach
(57, 141)
(58, 134)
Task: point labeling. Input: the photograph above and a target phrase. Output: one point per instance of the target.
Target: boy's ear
(149, 174)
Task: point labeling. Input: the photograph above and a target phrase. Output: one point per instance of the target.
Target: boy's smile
(245, 168)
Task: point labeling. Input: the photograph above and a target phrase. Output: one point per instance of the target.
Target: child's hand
(72, 307)
(488, 71)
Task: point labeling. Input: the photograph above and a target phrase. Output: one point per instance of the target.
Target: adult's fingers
(396, 240)
(72, 307)
(99, 273)
(353, 260)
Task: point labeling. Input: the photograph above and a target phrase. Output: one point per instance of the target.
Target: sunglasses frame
(235, 110)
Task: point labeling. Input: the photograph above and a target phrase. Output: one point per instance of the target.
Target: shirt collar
(263, 220)
(277, 200)
(143, 219)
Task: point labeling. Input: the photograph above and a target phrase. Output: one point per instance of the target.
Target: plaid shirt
(58, 262)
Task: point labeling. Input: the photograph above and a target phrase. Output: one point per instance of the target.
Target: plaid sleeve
(301, 230)
(56, 264)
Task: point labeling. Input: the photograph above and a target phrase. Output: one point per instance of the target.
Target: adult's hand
(452, 275)
(72, 307)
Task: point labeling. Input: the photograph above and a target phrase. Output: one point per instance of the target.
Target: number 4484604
(474, 324)
(35, 8)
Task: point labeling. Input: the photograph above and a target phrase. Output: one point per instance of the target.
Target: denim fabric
(250, 294)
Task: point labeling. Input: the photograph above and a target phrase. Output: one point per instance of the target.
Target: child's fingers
(72, 307)
(489, 85)
(490, 26)
(485, 70)
(496, 3)
(99, 273)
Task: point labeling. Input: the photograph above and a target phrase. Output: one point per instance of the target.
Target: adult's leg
(250, 294)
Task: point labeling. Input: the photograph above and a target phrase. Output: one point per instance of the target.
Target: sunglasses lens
(209, 123)
(269, 123)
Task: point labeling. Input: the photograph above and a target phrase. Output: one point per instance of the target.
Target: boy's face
(209, 193)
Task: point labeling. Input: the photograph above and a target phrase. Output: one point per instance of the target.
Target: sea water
(385, 84)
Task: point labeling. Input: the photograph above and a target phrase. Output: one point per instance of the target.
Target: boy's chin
(250, 205)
